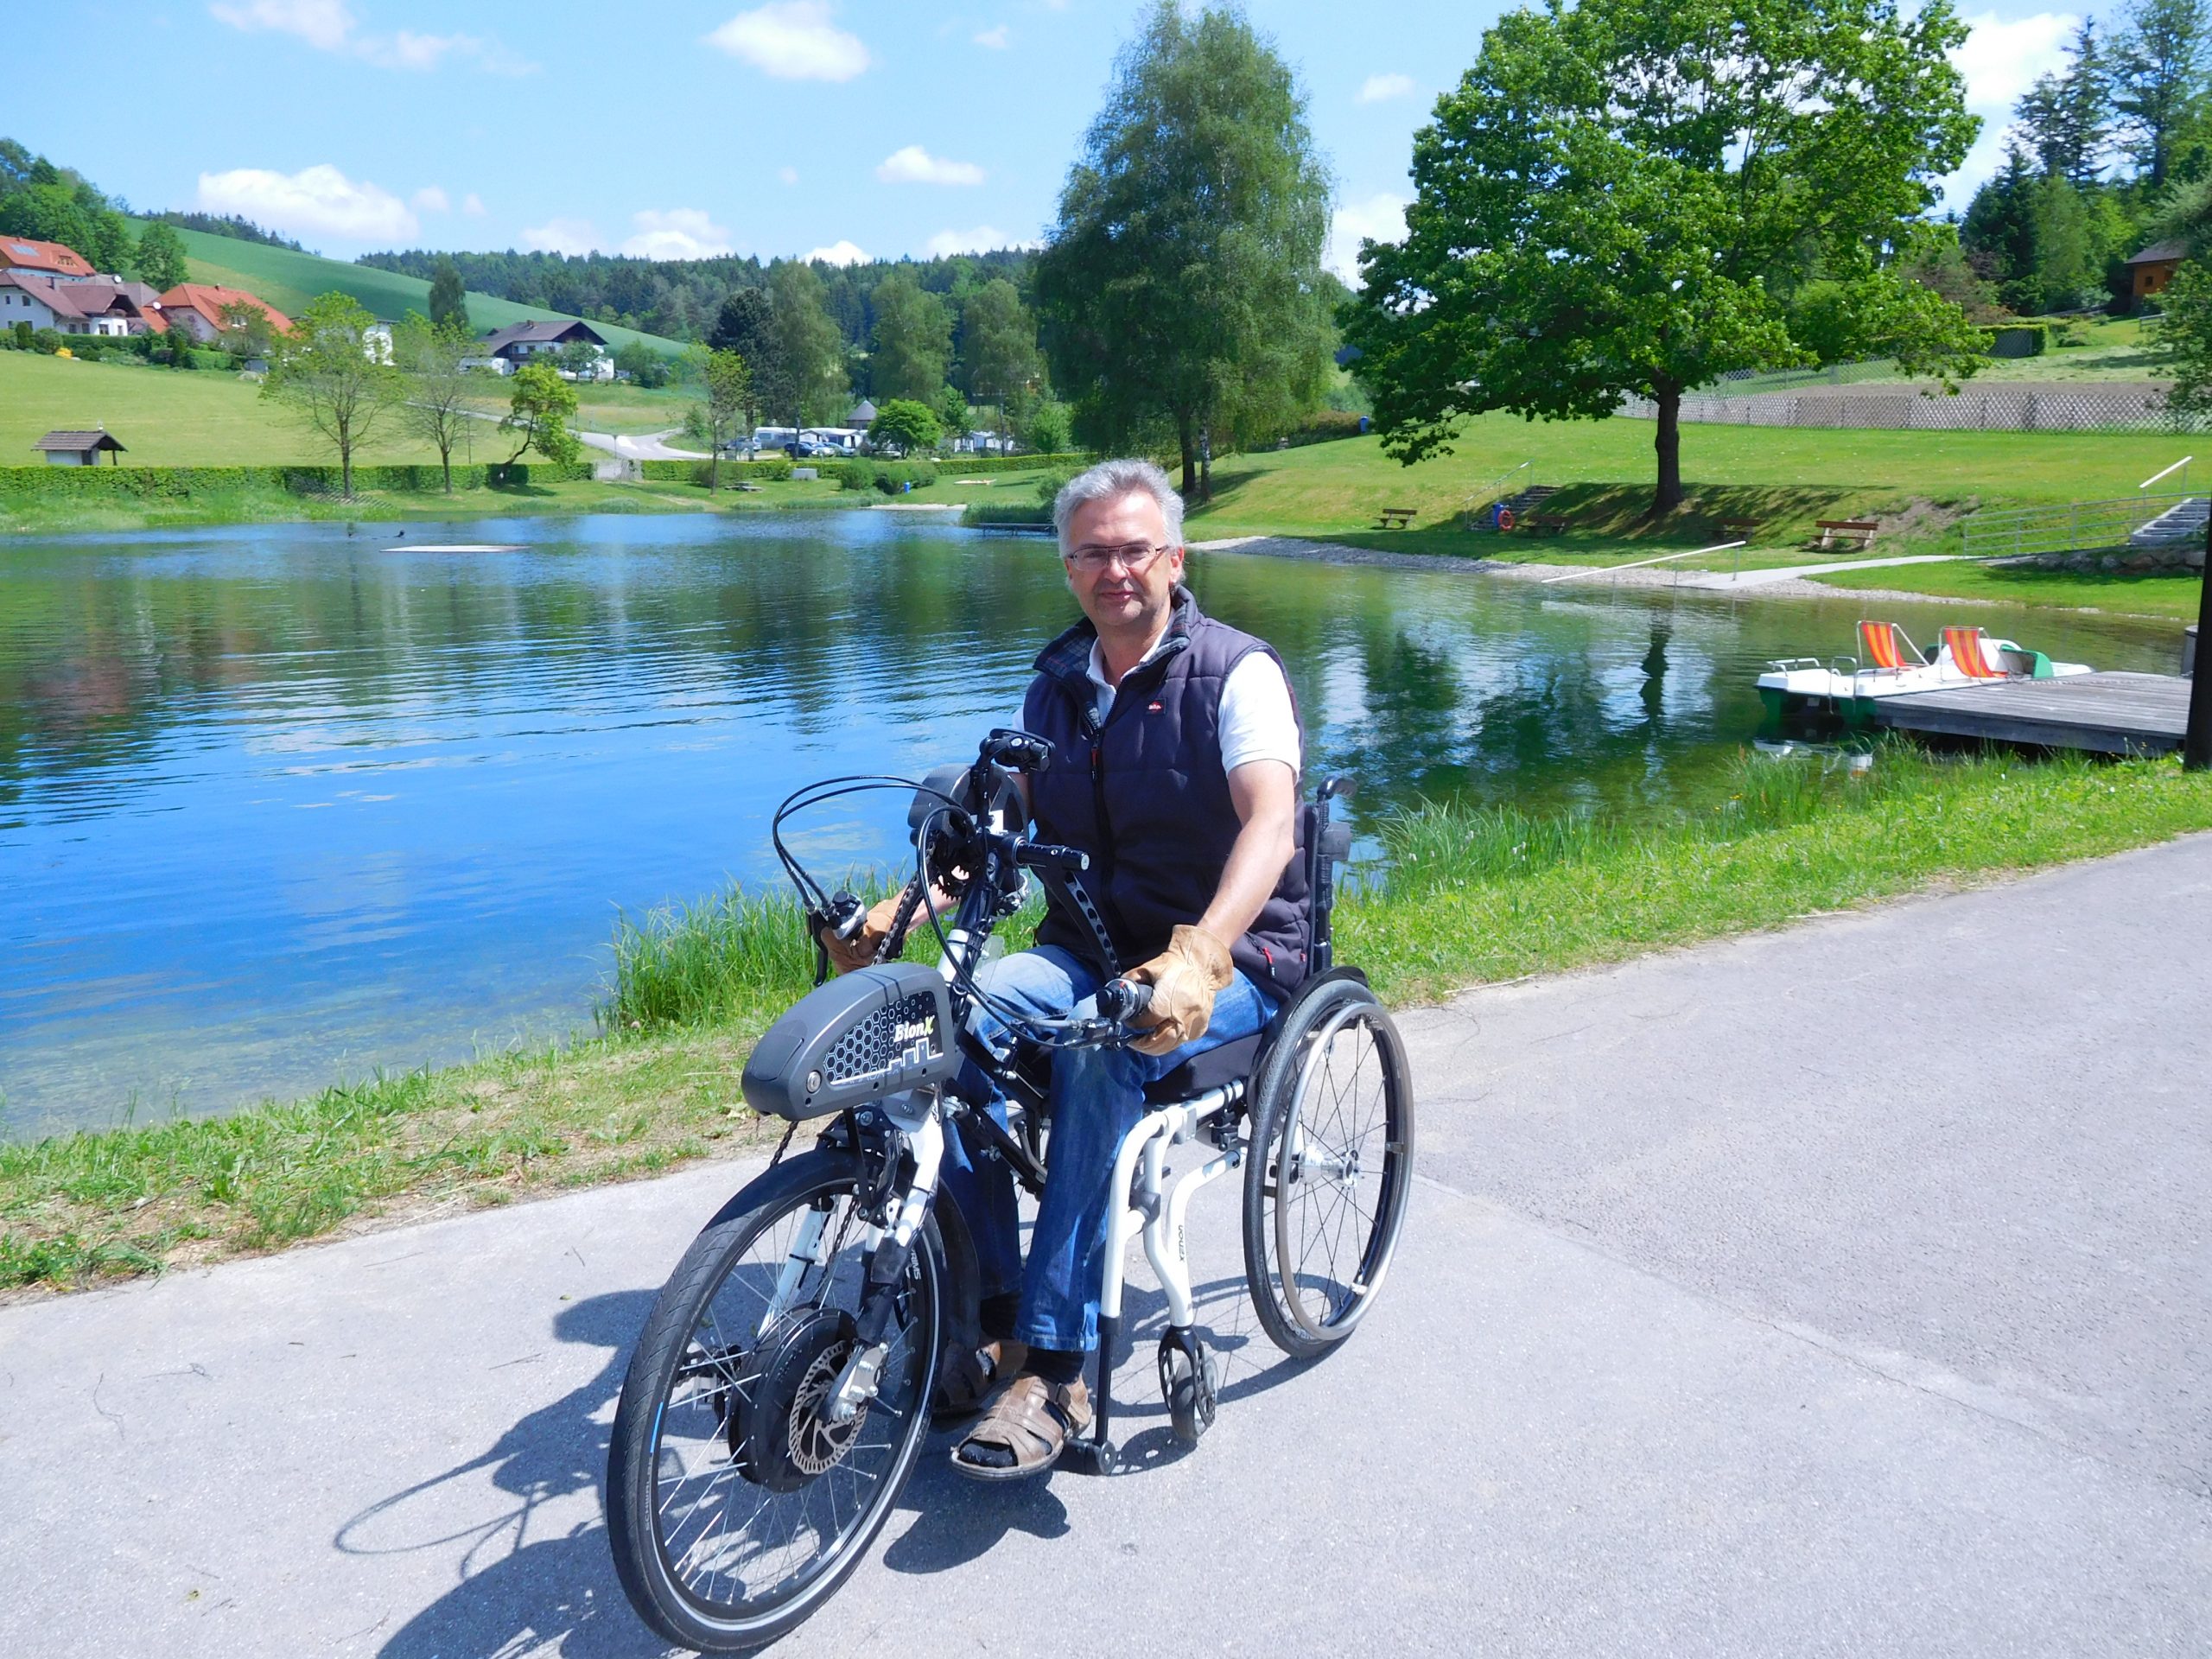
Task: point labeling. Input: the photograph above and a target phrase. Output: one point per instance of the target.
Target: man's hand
(859, 951)
(1184, 979)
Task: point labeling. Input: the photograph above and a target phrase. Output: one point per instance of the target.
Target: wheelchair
(778, 1398)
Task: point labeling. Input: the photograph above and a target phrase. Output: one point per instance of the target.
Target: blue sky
(678, 128)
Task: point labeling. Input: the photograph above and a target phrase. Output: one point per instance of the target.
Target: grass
(287, 280)
(2167, 594)
(1462, 896)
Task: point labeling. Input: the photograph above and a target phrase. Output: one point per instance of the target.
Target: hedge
(774, 469)
(892, 477)
(2019, 339)
(1324, 425)
(977, 466)
(174, 483)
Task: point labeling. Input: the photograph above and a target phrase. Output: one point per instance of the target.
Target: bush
(1324, 425)
(182, 483)
(773, 469)
(892, 477)
(48, 340)
(1049, 427)
(2019, 339)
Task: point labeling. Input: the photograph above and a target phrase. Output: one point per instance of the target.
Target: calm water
(279, 806)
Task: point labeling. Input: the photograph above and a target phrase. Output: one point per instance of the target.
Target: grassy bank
(1462, 897)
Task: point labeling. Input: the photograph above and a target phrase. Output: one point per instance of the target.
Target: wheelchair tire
(1328, 1167)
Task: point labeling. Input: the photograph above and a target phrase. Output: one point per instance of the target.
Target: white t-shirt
(1258, 720)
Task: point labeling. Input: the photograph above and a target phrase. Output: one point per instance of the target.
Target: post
(2196, 741)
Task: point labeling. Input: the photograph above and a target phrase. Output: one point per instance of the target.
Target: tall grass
(685, 963)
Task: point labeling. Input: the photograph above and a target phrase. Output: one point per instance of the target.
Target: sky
(837, 129)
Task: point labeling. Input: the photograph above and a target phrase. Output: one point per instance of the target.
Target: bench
(1395, 518)
(1546, 524)
(1857, 534)
(1745, 528)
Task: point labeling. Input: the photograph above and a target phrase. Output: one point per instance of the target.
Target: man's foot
(1026, 1431)
(970, 1377)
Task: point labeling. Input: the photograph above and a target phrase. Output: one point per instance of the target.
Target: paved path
(1846, 1291)
(646, 447)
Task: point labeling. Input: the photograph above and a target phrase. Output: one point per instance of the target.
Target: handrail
(2175, 468)
(1637, 564)
(1493, 490)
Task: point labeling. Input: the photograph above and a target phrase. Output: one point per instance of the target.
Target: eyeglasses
(1132, 556)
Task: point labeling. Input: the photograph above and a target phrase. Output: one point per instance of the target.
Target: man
(1176, 751)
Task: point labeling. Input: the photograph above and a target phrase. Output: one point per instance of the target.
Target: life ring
(1504, 519)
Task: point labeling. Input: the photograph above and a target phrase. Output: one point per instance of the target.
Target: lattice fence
(1996, 409)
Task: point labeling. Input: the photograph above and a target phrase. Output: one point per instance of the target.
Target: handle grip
(1124, 998)
(1044, 855)
(848, 915)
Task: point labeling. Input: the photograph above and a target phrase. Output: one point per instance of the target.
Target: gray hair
(1110, 480)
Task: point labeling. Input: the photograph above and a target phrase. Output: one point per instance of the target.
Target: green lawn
(615, 407)
(166, 417)
(288, 280)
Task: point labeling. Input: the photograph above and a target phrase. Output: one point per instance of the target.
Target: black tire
(682, 1430)
(1332, 1102)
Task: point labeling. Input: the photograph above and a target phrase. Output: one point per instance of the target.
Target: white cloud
(914, 165)
(431, 199)
(317, 199)
(793, 40)
(981, 240)
(1379, 219)
(788, 175)
(1377, 88)
(993, 38)
(561, 236)
(323, 24)
(408, 50)
(473, 205)
(837, 253)
(2001, 59)
(679, 233)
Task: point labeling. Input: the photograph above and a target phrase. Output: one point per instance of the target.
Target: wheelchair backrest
(1324, 844)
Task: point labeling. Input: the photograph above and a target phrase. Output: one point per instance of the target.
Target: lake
(284, 805)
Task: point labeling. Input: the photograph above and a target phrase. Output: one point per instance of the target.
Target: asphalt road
(1846, 1291)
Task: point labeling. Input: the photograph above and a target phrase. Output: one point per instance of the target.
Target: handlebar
(1123, 1000)
(1044, 855)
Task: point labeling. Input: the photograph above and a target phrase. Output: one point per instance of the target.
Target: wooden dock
(2112, 713)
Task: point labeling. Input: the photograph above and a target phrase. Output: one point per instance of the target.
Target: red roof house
(49, 259)
(200, 307)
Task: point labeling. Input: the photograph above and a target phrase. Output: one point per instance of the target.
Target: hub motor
(778, 1436)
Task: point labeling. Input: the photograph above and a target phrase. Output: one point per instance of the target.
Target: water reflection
(277, 805)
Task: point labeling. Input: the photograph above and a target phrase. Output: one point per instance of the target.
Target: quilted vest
(1146, 796)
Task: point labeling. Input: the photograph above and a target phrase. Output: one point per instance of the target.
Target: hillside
(288, 280)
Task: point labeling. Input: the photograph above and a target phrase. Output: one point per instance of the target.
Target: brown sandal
(1031, 1421)
(970, 1374)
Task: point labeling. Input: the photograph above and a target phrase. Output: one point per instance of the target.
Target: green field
(168, 418)
(288, 280)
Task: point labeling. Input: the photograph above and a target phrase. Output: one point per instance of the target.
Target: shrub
(774, 469)
(2019, 339)
(1325, 424)
(48, 340)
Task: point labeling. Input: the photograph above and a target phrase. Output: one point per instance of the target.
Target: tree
(1619, 199)
(912, 425)
(441, 404)
(728, 386)
(578, 359)
(2157, 79)
(807, 348)
(646, 366)
(1050, 429)
(161, 262)
(746, 325)
(245, 329)
(1182, 282)
(2184, 342)
(540, 410)
(912, 340)
(336, 387)
(998, 345)
(953, 412)
(2065, 119)
(448, 299)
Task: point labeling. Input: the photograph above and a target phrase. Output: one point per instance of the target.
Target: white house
(523, 342)
(93, 305)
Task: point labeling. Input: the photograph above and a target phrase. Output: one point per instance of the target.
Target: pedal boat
(1846, 689)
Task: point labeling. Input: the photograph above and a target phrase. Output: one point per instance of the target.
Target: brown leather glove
(1184, 978)
(859, 951)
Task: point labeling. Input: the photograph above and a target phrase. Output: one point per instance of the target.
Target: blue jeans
(1097, 1097)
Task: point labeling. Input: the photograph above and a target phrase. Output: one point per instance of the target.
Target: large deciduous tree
(746, 325)
(1619, 199)
(448, 299)
(1182, 285)
(160, 260)
(726, 383)
(808, 350)
(912, 340)
(442, 406)
(998, 348)
(326, 371)
(538, 412)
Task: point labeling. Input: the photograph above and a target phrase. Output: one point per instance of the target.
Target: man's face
(1112, 595)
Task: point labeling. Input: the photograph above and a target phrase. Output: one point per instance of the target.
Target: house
(376, 343)
(198, 308)
(863, 415)
(79, 449)
(523, 342)
(2153, 267)
(50, 260)
(94, 305)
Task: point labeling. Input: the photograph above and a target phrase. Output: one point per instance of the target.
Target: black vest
(1145, 795)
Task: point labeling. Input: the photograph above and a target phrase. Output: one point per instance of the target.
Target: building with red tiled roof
(199, 306)
(51, 260)
(97, 305)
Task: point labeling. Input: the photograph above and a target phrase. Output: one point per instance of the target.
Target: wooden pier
(2112, 713)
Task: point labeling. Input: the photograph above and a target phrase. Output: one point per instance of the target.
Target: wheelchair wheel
(1328, 1167)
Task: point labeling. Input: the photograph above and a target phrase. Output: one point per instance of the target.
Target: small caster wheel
(1089, 1456)
(1189, 1382)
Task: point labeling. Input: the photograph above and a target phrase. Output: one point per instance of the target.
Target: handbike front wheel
(1329, 1168)
(735, 1505)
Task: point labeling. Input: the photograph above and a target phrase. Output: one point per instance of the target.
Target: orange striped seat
(1885, 646)
(1966, 654)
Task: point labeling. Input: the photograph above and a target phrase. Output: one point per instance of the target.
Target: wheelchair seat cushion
(1226, 1063)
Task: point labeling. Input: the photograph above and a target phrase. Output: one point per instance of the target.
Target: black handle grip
(1124, 998)
(1044, 855)
(848, 915)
